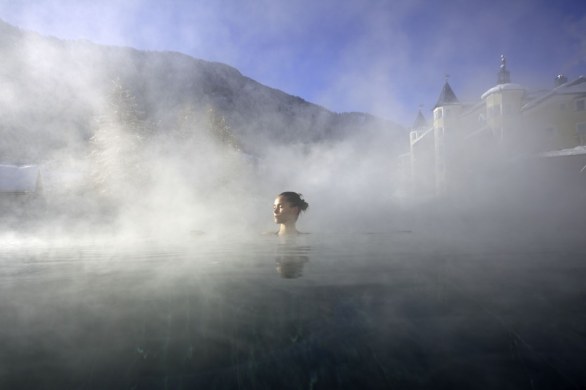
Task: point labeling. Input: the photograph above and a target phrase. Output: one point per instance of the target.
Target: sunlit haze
(381, 57)
(235, 194)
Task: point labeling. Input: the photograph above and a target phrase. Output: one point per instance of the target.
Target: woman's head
(287, 207)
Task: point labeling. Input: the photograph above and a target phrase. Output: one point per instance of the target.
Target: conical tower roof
(447, 96)
(419, 121)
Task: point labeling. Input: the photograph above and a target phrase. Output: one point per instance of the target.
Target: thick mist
(142, 262)
(125, 155)
(121, 155)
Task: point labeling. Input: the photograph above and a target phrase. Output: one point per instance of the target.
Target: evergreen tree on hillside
(188, 126)
(118, 167)
(221, 130)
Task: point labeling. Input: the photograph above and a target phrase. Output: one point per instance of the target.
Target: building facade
(470, 144)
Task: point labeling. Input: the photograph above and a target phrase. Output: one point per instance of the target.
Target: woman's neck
(287, 229)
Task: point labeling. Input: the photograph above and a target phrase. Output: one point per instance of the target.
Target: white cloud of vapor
(353, 182)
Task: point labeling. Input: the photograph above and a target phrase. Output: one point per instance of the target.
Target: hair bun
(303, 205)
(296, 199)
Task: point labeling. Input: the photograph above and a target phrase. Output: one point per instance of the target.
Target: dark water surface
(384, 310)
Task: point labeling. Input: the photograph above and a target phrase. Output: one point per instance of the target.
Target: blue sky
(385, 57)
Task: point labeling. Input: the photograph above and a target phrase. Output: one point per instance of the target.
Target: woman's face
(283, 211)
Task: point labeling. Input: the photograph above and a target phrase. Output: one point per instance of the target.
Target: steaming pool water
(378, 310)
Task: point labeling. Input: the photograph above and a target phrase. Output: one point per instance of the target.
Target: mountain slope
(53, 91)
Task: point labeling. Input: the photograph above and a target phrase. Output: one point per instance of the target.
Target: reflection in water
(291, 258)
(370, 312)
(291, 267)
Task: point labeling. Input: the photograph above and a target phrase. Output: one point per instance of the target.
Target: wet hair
(295, 199)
